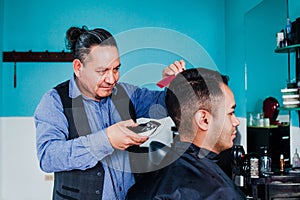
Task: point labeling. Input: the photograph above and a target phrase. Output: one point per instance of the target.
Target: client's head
(202, 108)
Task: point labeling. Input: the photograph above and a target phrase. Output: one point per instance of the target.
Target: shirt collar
(73, 88)
(196, 151)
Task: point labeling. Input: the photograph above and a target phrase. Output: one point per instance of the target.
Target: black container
(296, 31)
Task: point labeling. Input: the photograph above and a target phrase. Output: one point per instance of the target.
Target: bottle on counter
(265, 163)
(296, 159)
(282, 163)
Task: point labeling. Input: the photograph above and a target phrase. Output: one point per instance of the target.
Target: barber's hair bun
(72, 36)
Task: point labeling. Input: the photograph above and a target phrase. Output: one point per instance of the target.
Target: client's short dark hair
(191, 90)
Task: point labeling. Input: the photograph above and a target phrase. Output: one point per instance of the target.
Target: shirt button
(99, 174)
(97, 192)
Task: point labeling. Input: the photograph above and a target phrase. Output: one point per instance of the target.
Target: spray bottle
(296, 160)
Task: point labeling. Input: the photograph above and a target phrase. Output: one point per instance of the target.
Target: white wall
(242, 133)
(1, 162)
(21, 177)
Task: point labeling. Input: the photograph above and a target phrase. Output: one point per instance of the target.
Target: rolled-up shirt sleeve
(55, 152)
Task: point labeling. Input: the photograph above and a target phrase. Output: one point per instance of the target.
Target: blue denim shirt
(56, 153)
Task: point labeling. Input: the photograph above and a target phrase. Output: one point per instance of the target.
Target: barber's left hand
(174, 68)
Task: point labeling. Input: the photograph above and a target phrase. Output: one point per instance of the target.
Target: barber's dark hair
(191, 90)
(80, 40)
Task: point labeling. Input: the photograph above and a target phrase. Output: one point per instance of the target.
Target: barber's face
(99, 72)
(225, 122)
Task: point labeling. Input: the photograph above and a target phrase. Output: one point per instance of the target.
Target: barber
(80, 133)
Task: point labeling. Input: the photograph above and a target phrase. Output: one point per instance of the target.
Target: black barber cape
(194, 175)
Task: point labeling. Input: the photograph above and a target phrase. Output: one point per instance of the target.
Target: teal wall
(238, 36)
(1, 69)
(294, 9)
(41, 25)
(1, 95)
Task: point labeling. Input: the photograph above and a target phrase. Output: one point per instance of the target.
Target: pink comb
(165, 81)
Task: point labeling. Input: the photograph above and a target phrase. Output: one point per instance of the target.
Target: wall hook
(15, 74)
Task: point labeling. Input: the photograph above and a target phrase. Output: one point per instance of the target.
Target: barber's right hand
(120, 137)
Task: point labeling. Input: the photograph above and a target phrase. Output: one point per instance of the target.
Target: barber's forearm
(80, 153)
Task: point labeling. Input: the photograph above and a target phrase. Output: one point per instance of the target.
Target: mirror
(266, 71)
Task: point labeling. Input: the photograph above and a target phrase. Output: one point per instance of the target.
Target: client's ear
(202, 119)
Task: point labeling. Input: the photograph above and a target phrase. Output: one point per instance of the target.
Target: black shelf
(288, 49)
(284, 108)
